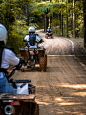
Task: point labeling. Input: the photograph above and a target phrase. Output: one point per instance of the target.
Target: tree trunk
(84, 10)
(44, 21)
(60, 20)
(49, 21)
(73, 19)
(27, 14)
(62, 24)
(67, 23)
(67, 18)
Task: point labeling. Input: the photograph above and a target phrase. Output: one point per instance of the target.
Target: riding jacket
(8, 58)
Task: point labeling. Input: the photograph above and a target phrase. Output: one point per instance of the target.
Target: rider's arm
(9, 58)
(26, 38)
(15, 61)
(39, 39)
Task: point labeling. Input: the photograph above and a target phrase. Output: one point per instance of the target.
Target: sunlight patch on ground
(75, 86)
(59, 55)
(59, 99)
(41, 102)
(70, 103)
(69, 113)
(83, 94)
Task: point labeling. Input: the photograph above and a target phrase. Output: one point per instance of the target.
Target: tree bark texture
(84, 10)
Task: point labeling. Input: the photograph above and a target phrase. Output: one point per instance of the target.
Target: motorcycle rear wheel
(43, 63)
(52, 36)
(46, 36)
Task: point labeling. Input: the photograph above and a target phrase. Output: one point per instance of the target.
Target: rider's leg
(5, 87)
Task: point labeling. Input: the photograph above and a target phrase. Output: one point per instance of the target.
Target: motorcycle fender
(7, 100)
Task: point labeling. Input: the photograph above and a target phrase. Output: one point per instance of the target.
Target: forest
(66, 18)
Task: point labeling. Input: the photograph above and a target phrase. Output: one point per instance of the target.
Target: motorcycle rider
(49, 33)
(7, 57)
(48, 30)
(32, 38)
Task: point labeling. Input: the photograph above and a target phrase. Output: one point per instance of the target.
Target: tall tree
(44, 20)
(27, 14)
(84, 10)
(73, 18)
(67, 18)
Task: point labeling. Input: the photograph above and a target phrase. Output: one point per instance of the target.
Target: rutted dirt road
(61, 90)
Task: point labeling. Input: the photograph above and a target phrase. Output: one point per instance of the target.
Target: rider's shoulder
(9, 49)
(27, 34)
(36, 34)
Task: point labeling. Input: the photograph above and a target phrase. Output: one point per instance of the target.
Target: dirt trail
(61, 90)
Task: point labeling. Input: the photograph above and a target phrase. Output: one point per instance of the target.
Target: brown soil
(61, 90)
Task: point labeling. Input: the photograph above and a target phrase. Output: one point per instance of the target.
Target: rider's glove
(21, 62)
(41, 41)
(26, 43)
(25, 40)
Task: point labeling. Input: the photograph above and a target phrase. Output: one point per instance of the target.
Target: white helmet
(31, 29)
(48, 27)
(3, 33)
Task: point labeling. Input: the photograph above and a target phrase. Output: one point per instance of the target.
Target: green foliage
(13, 16)
(19, 30)
(46, 5)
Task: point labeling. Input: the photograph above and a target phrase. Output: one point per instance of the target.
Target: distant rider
(7, 57)
(48, 30)
(32, 38)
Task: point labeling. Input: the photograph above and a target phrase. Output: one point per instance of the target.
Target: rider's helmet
(3, 34)
(31, 29)
(48, 27)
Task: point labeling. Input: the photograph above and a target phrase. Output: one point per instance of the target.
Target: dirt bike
(49, 35)
(21, 103)
(33, 56)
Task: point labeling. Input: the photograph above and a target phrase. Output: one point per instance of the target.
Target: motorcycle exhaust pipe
(9, 110)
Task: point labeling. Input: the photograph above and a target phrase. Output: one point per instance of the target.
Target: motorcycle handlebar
(13, 71)
(19, 81)
(35, 41)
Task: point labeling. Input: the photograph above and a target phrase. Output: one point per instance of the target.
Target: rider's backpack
(49, 30)
(32, 39)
